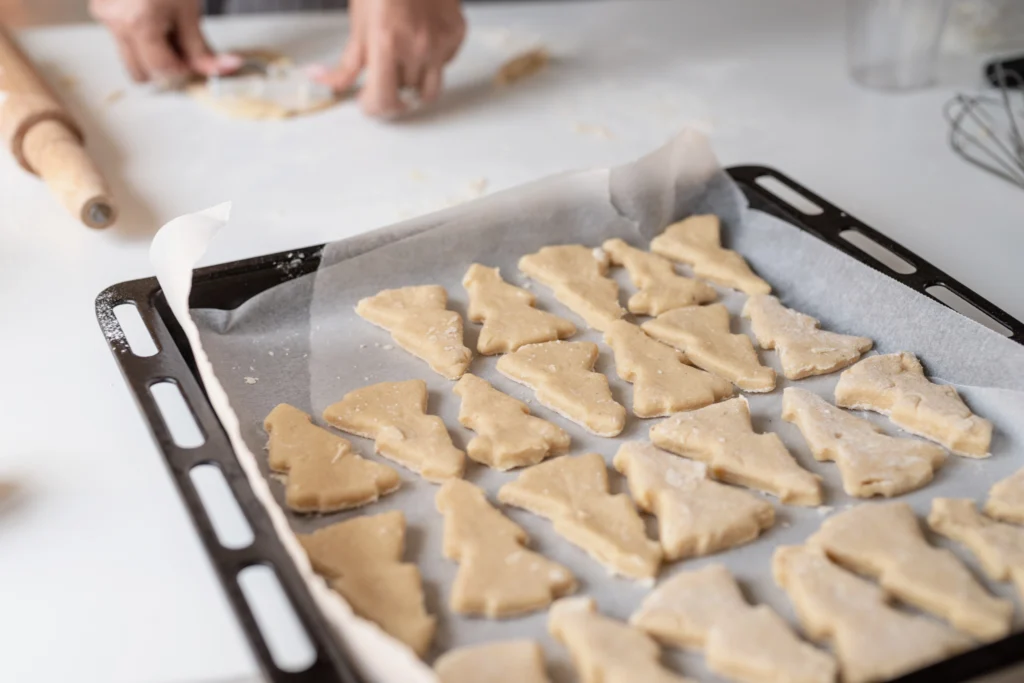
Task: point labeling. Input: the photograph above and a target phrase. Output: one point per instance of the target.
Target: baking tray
(227, 286)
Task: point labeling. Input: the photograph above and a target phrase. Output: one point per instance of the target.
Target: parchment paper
(302, 343)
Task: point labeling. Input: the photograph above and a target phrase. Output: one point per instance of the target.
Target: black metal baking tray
(228, 285)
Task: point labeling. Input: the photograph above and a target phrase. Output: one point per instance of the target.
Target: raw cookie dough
(702, 333)
(522, 66)
(884, 541)
(662, 383)
(999, 547)
(804, 349)
(1006, 499)
(498, 576)
(573, 493)
(604, 650)
(394, 415)
(870, 462)
(509, 661)
(418, 322)
(661, 289)
(508, 314)
(722, 437)
(361, 559)
(696, 516)
(895, 385)
(576, 276)
(705, 610)
(872, 641)
(324, 473)
(697, 241)
(563, 377)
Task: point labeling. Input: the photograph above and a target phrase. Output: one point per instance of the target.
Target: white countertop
(102, 577)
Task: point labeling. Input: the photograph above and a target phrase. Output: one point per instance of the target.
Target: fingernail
(229, 62)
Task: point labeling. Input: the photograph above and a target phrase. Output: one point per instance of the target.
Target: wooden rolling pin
(47, 142)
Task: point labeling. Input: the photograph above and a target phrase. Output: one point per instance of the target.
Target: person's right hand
(160, 40)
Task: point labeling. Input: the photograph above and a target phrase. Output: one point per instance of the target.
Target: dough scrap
(884, 541)
(361, 559)
(508, 314)
(573, 493)
(498, 576)
(394, 415)
(577, 277)
(662, 383)
(872, 640)
(324, 473)
(870, 462)
(895, 385)
(804, 349)
(661, 289)
(702, 333)
(605, 650)
(697, 241)
(999, 547)
(722, 437)
(418, 321)
(696, 516)
(1006, 499)
(508, 661)
(507, 435)
(562, 376)
(522, 66)
(705, 610)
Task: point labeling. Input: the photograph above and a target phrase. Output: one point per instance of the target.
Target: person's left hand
(402, 44)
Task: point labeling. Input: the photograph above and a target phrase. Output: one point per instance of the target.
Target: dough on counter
(604, 650)
(872, 641)
(577, 277)
(662, 383)
(999, 547)
(563, 377)
(705, 610)
(1006, 499)
(722, 437)
(522, 66)
(394, 415)
(508, 661)
(884, 541)
(702, 333)
(661, 289)
(418, 321)
(507, 435)
(895, 385)
(498, 576)
(696, 516)
(508, 314)
(804, 349)
(324, 473)
(697, 241)
(870, 462)
(573, 493)
(361, 559)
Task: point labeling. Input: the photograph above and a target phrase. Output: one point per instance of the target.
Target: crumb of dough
(113, 97)
(251, 380)
(592, 129)
(522, 66)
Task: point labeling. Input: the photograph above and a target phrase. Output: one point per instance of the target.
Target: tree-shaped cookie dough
(508, 314)
(702, 333)
(722, 437)
(696, 516)
(870, 462)
(804, 349)
(661, 289)
(507, 435)
(705, 610)
(885, 541)
(872, 641)
(394, 415)
(576, 276)
(562, 375)
(418, 321)
(573, 493)
(324, 473)
(508, 661)
(1006, 499)
(895, 385)
(498, 576)
(662, 383)
(361, 559)
(605, 650)
(697, 241)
